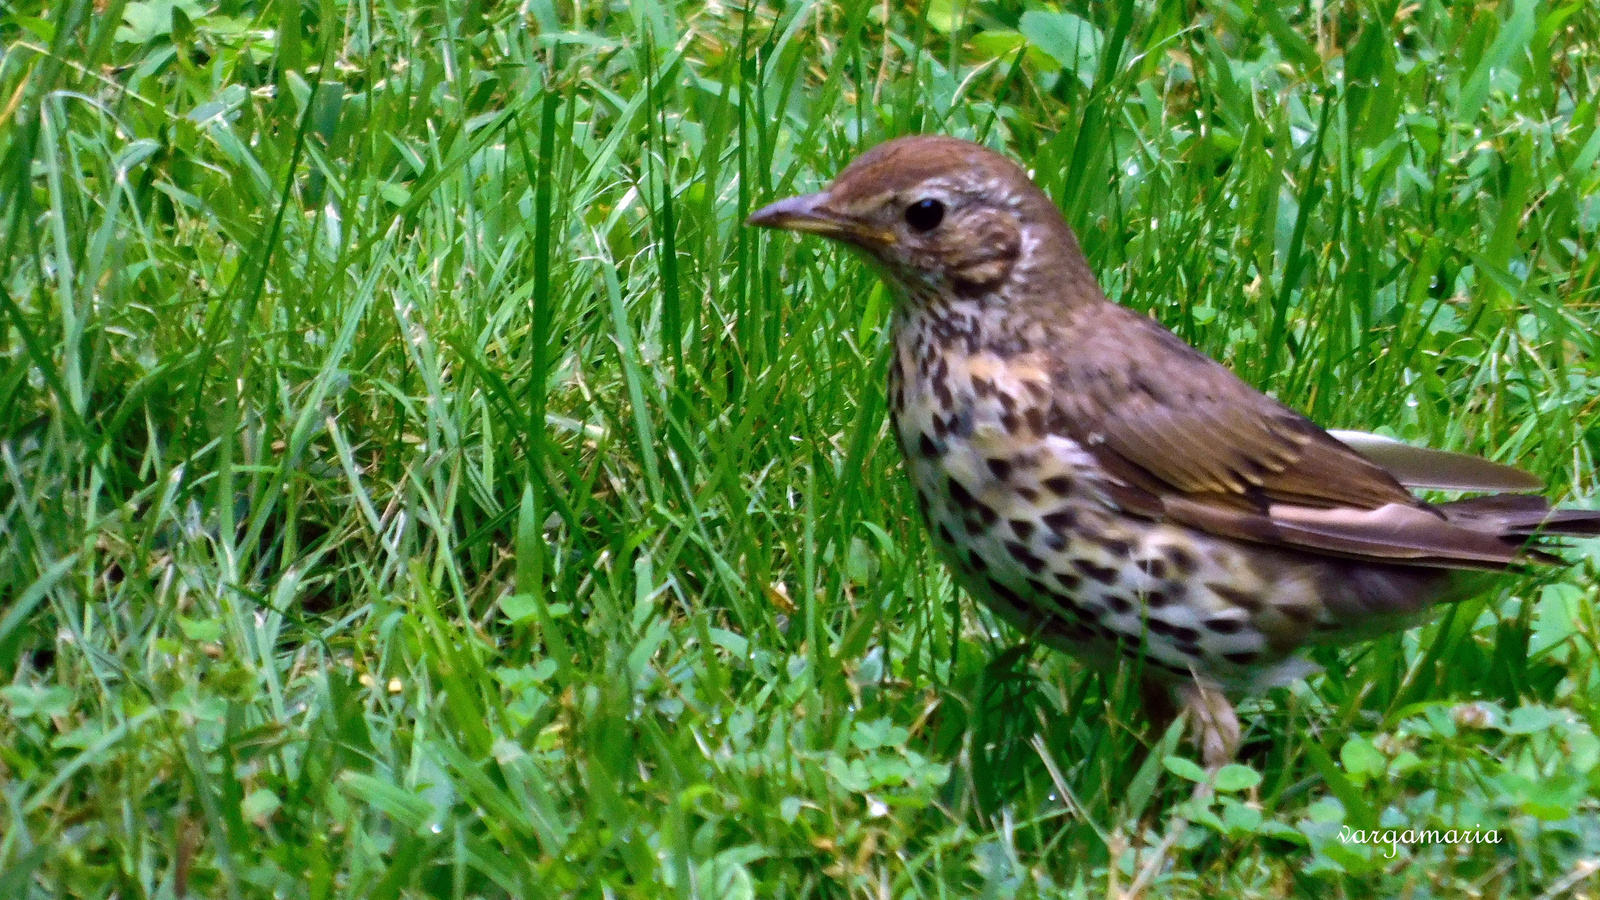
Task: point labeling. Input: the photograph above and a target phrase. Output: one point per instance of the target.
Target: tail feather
(1369, 598)
(1522, 515)
(1523, 518)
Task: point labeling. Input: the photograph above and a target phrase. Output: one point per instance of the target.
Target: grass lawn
(416, 482)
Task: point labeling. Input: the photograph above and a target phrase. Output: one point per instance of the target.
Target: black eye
(925, 215)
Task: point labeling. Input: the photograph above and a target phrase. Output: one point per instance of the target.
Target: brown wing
(1142, 394)
(1195, 444)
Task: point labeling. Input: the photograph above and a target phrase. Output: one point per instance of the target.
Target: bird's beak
(812, 214)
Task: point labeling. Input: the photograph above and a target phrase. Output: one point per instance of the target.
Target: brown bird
(1115, 493)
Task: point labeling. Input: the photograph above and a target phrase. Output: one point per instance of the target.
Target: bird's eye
(925, 215)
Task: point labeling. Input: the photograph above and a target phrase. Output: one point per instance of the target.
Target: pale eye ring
(925, 214)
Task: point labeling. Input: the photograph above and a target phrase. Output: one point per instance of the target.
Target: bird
(1116, 494)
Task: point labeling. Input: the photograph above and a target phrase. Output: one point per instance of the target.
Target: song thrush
(1115, 493)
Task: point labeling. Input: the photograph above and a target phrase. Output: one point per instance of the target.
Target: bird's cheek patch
(982, 249)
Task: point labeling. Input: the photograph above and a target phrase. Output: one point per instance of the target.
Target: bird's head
(939, 216)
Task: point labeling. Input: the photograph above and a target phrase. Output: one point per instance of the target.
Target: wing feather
(1188, 437)
(1440, 470)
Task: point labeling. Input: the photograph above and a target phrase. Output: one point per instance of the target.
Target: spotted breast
(1032, 525)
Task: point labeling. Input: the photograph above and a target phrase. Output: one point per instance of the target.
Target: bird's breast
(1023, 514)
(982, 416)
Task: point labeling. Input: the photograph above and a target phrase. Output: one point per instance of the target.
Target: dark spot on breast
(1035, 419)
(961, 495)
(1061, 520)
(1115, 546)
(1039, 587)
(1005, 593)
(1242, 657)
(1028, 494)
(1102, 574)
(1000, 467)
(1010, 344)
(986, 514)
(1060, 485)
(928, 448)
(941, 430)
(1155, 599)
(1055, 541)
(1223, 625)
(1119, 603)
(1069, 607)
(1022, 528)
(976, 561)
(945, 535)
(1008, 403)
(1155, 568)
(1010, 422)
(982, 387)
(961, 422)
(1069, 582)
(1179, 633)
(1033, 563)
(1182, 560)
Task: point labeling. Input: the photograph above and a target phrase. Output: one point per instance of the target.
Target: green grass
(415, 481)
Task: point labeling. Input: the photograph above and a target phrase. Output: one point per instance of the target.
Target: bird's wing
(1135, 391)
(1191, 442)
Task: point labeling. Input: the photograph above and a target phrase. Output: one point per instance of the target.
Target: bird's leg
(1215, 724)
(1155, 699)
(1215, 728)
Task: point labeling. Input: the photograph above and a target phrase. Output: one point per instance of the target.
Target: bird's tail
(1526, 519)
